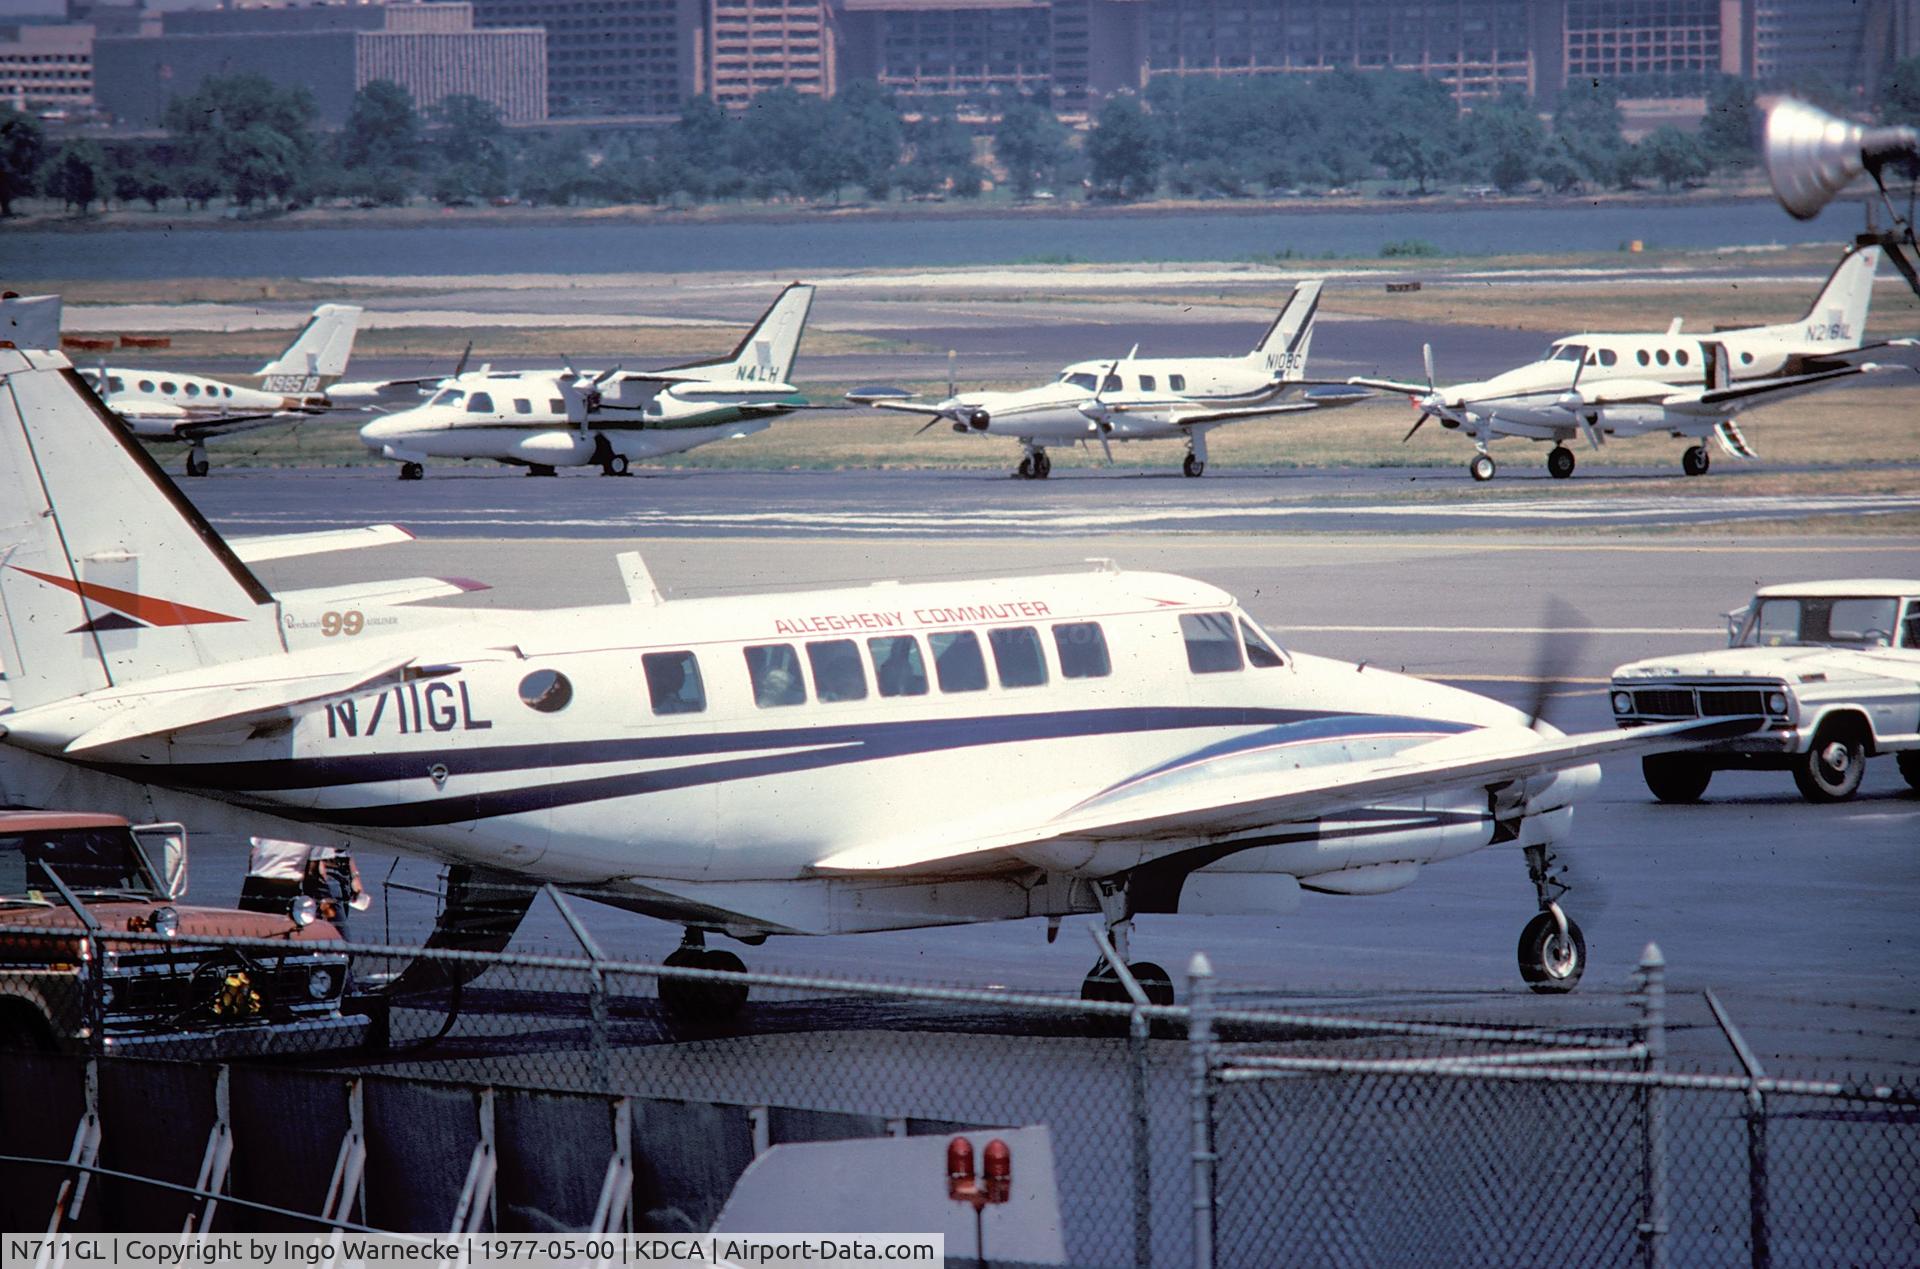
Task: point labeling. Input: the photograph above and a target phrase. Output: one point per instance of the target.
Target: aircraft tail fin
(1283, 349)
(1837, 321)
(322, 348)
(108, 574)
(766, 353)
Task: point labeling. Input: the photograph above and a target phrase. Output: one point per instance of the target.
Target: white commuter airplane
(811, 762)
(1692, 386)
(1140, 399)
(543, 419)
(188, 406)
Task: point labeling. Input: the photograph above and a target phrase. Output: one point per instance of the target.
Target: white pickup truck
(1834, 667)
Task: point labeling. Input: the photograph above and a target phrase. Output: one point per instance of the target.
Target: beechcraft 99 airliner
(191, 406)
(807, 762)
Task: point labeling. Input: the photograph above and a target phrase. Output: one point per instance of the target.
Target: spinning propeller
(1431, 404)
(1098, 412)
(590, 400)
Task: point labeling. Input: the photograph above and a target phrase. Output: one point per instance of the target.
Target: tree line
(245, 141)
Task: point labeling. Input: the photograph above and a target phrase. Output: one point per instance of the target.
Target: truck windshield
(1819, 621)
(89, 860)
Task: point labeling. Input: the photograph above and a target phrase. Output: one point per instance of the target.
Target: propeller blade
(605, 375)
(952, 355)
(1426, 355)
(938, 418)
(1424, 416)
(1555, 656)
(460, 367)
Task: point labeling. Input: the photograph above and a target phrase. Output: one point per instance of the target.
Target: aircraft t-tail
(545, 419)
(1689, 386)
(1140, 399)
(806, 762)
(190, 407)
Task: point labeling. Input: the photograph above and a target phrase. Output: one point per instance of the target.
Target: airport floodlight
(1811, 155)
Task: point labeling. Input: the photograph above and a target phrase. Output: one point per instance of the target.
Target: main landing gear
(1560, 462)
(1102, 983)
(1696, 461)
(612, 462)
(412, 471)
(1553, 951)
(197, 461)
(614, 466)
(702, 1000)
(540, 469)
(1196, 460)
(1036, 465)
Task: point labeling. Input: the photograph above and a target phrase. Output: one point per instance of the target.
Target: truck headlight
(166, 922)
(303, 910)
(1622, 703)
(321, 982)
(1776, 702)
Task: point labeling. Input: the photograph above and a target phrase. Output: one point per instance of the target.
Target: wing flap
(1230, 799)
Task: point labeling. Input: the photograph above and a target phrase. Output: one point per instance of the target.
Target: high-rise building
(754, 45)
(1684, 40)
(612, 57)
(431, 50)
(971, 51)
(47, 69)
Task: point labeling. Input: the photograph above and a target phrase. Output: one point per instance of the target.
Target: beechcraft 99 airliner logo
(127, 610)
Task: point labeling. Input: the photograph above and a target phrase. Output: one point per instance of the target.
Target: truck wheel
(1673, 778)
(24, 1030)
(1830, 770)
(1909, 760)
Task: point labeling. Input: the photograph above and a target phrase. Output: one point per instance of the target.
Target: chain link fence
(1182, 1135)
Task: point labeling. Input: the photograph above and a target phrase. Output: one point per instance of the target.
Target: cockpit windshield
(1819, 621)
(1566, 352)
(1081, 380)
(449, 396)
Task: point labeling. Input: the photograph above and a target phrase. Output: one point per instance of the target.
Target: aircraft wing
(284, 546)
(225, 424)
(1187, 417)
(397, 590)
(1759, 391)
(1389, 385)
(1228, 793)
(922, 408)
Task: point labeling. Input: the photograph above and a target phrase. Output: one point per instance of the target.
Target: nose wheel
(1552, 951)
(1102, 984)
(1035, 466)
(412, 471)
(1482, 467)
(702, 1000)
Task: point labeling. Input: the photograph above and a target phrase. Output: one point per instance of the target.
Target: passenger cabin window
(775, 671)
(957, 662)
(1640, 356)
(557, 405)
(146, 385)
(1608, 357)
(546, 690)
(193, 389)
(1681, 356)
(480, 403)
(837, 675)
(1146, 383)
(1746, 359)
(897, 667)
(226, 392)
(522, 406)
(673, 682)
(1082, 646)
(1112, 384)
(1177, 382)
(1213, 645)
(1661, 357)
(116, 384)
(1260, 654)
(1017, 657)
(169, 386)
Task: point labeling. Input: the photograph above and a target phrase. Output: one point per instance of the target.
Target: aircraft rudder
(1284, 348)
(770, 348)
(324, 345)
(1838, 316)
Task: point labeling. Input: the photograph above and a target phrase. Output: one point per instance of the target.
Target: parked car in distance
(96, 955)
(1834, 667)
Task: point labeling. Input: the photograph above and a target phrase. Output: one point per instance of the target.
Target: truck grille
(1731, 704)
(1742, 701)
(1665, 701)
(168, 988)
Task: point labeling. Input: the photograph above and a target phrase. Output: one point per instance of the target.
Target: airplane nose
(380, 431)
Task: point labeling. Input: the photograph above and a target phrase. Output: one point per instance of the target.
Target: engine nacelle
(554, 449)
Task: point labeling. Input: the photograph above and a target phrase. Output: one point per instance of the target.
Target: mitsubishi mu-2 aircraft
(546, 419)
(806, 762)
(1140, 399)
(190, 407)
(1688, 386)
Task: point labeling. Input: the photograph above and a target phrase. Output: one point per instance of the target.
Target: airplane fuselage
(698, 760)
(156, 404)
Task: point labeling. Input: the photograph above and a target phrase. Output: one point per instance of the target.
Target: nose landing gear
(702, 1000)
(1102, 982)
(1035, 465)
(1552, 951)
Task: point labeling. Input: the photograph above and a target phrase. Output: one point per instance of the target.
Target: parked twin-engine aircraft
(1691, 386)
(171, 405)
(813, 762)
(543, 419)
(1136, 399)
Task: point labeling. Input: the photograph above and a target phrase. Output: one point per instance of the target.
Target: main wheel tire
(196, 466)
(724, 1000)
(615, 466)
(1193, 466)
(1042, 466)
(1696, 461)
(1909, 763)
(1155, 981)
(1025, 469)
(1547, 963)
(1482, 467)
(1831, 769)
(1560, 462)
(411, 471)
(1102, 984)
(1675, 778)
(540, 469)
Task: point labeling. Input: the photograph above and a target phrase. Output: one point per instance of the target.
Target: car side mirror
(173, 855)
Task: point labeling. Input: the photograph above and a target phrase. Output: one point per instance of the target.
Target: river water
(829, 242)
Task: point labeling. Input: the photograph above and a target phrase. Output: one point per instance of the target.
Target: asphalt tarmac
(1800, 917)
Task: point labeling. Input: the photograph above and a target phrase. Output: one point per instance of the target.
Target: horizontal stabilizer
(1234, 799)
(387, 593)
(286, 546)
(160, 712)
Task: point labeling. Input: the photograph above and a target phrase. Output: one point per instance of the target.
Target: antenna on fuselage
(641, 588)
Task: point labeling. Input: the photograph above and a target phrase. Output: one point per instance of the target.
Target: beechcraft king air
(1140, 399)
(545, 419)
(1689, 386)
(190, 407)
(809, 762)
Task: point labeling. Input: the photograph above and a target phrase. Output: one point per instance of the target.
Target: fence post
(1142, 1145)
(1760, 1240)
(1200, 1093)
(1653, 1122)
(597, 1021)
